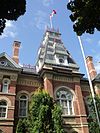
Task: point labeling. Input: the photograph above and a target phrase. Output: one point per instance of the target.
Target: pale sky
(29, 30)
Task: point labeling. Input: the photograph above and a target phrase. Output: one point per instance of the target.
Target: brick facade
(50, 77)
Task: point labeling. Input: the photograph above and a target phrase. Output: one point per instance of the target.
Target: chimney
(16, 46)
(91, 69)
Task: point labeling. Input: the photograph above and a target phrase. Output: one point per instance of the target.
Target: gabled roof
(9, 61)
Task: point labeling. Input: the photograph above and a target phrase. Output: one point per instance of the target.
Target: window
(5, 86)
(23, 106)
(64, 98)
(3, 109)
(61, 60)
(3, 63)
(49, 56)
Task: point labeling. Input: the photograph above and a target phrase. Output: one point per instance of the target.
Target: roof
(9, 61)
(53, 52)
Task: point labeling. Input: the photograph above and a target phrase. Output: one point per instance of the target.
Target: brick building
(57, 72)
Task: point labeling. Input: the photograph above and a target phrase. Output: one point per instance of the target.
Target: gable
(6, 61)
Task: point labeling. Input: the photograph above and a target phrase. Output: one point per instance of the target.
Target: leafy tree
(93, 124)
(22, 126)
(10, 10)
(44, 114)
(85, 15)
(57, 119)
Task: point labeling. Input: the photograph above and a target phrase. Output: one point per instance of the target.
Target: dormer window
(5, 85)
(61, 60)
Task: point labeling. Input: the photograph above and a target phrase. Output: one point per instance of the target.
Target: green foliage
(85, 15)
(93, 124)
(10, 10)
(22, 126)
(57, 119)
(44, 115)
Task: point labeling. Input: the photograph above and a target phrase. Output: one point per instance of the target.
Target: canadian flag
(52, 14)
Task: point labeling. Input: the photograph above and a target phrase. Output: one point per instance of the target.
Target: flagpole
(51, 22)
(90, 82)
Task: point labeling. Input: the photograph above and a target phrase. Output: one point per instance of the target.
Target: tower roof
(53, 53)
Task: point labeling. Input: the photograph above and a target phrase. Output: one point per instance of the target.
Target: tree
(93, 124)
(10, 10)
(44, 114)
(22, 126)
(85, 15)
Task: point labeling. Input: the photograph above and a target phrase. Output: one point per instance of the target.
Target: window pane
(3, 103)
(23, 97)
(22, 112)
(23, 106)
(71, 111)
(70, 103)
(2, 112)
(3, 108)
(65, 111)
(63, 103)
(65, 100)
(63, 96)
(5, 88)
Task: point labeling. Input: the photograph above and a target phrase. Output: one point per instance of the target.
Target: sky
(30, 28)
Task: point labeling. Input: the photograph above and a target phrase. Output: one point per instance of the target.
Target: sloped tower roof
(52, 53)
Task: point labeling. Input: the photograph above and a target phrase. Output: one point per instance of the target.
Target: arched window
(3, 109)
(23, 105)
(5, 86)
(64, 98)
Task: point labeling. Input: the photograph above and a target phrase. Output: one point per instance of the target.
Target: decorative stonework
(11, 108)
(75, 125)
(7, 94)
(47, 75)
(6, 99)
(22, 92)
(13, 76)
(69, 120)
(7, 123)
(64, 79)
(29, 82)
(1, 76)
(76, 79)
(85, 88)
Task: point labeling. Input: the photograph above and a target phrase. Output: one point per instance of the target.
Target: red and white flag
(52, 14)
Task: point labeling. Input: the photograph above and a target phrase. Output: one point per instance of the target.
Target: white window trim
(26, 106)
(5, 112)
(67, 90)
(6, 84)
